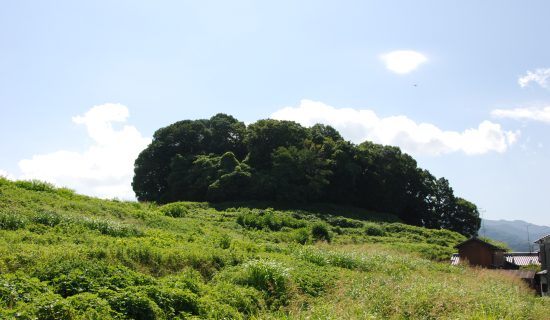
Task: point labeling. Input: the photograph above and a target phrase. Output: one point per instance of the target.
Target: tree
(221, 159)
(264, 136)
(187, 139)
(466, 218)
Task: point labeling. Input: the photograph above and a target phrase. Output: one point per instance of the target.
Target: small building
(479, 253)
(543, 278)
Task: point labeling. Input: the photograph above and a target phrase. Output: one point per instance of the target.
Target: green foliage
(134, 303)
(344, 222)
(11, 221)
(35, 185)
(111, 228)
(372, 229)
(267, 219)
(246, 300)
(301, 235)
(76, 257)
(48, 218)
(52, 307)
(181, 209)
(90, 306)
(320, 231)
(220, 159)
(268, 276)
(496, 243)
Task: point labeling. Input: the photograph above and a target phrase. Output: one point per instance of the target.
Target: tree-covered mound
(68, 256)
(222, 159)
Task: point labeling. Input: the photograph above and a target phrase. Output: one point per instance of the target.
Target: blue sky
(84, 84)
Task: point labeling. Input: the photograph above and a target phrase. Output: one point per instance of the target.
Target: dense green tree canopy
(221, 159)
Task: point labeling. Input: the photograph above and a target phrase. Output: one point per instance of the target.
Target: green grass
(68, 256)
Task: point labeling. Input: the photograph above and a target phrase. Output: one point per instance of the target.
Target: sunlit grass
(67, 256)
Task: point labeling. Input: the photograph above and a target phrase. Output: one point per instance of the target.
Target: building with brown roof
(480, 253)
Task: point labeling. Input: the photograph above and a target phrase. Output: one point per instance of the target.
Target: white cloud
(412, 137)
(7, 175)
(105, 169)
(403, 61)
(539, 76)
(537, 114)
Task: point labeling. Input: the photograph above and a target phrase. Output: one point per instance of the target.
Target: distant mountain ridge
(514, 233)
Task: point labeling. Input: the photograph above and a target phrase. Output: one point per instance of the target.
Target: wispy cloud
(415, 138)
(403, 61)
(105, 169)
(541, 114)
(539, 76)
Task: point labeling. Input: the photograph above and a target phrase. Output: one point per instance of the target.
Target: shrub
(133, 303)
(372, 229)
(48, 218)
(313, 280)
(52, 307)
(19, 287)
(70, 276)
(212, 309)
(181, 209)
(244, 299)
(173, 301)
(225, 241)
(344, 222)
(111, 228)
(320, 232)
(11, 221)
(268, 276)
(301, 236)
(268, 219)
(90, 306)
(36, 185)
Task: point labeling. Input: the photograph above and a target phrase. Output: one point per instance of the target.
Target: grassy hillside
(67, 256)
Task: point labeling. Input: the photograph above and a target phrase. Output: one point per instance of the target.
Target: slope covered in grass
(67, 256)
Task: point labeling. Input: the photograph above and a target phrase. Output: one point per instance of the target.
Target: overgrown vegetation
(221, 159)
(67, 256)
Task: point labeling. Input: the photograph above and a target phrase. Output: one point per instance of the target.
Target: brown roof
(476, 239)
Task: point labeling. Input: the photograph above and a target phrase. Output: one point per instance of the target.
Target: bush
(111, 228)
(268, 219)
(36, 185)
(301, 236)
(320, 232)
(181, 209)
(19, 287)
(72, 276)
(244, 299)
(90, 306)
(11, 221)
(48, 218)
(52, 307)
(313, 280)
(372, 229)
(344, 222)
(225, 241)
(133, 303)
(268, 276)
(173, 301)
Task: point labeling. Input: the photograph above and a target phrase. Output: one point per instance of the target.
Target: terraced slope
(67, 256)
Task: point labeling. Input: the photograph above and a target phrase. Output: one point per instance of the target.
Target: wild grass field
(68, 256)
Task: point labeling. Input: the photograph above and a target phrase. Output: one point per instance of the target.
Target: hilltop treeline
(222, 159)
